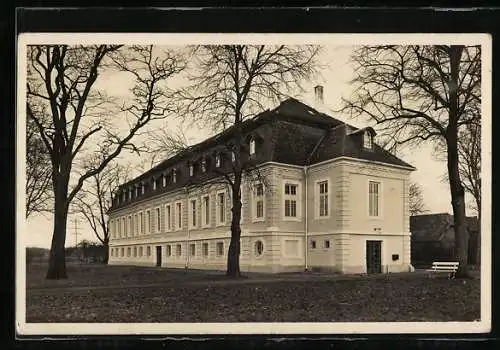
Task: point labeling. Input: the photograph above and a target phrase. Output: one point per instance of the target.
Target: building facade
(326, 197)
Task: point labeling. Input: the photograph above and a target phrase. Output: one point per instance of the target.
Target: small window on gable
(252, 146)
(217, 160)
(367, 140)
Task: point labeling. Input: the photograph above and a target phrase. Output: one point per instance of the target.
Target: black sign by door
(373, 256)
(158, 255)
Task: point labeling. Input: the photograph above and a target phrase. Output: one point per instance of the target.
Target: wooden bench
(444, 266)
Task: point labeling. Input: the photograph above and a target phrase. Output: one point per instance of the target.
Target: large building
(327, 197)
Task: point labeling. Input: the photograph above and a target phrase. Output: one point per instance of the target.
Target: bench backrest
(445, 265)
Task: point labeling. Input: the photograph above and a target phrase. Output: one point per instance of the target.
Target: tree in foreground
(82, 128)
(422, 94)
(231, 83)
(94, 200)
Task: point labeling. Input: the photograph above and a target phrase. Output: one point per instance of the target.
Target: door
(373, 256)
(158, 255)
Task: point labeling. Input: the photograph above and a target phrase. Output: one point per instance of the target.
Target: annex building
(328, 198)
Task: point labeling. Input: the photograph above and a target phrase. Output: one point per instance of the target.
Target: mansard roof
(292, 133)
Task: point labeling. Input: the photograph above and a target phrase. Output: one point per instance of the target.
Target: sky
(335, 78)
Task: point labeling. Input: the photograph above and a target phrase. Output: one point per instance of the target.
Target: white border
(256, 328)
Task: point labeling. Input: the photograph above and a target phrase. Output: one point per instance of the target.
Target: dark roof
(292, 133)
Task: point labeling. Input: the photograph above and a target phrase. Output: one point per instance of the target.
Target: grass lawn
(134, 294)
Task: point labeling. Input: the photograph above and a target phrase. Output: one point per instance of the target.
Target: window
(154, 184)
(128, 251)
(143, 188)
(178, 250)
(124, 227)
(179, 214)
(174, 176)
(148, 220)
(203, 165)
(168, 217)
(259, 201)
(135, 252)
(367, 140)
(192, 249)
(137, 191)
(206, 210)
(323, 198)
(217, 160)
(141, 223)
(112, 252)
(252, 146)
(221, 208)
(164, 180)
(122, 252)
(326, 244)
(373, 198)
(191, 169)
(205, 249)
(313, 244)
(130, 192)
(193, 212)
(148, 251)
(233, 157)
(141, 250)
(169, 250)
(158, 220)
(259, 248)
(291, 200)
(220, 248)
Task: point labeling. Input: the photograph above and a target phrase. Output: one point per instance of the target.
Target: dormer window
(217, 160)
(130, 193)
(203, 165)
(174, 176)
(191, 169)
(252, 146)
(164, 180)
(136, 190)
(367, 140)
(233, 157)
(143, 189)
(154, 184)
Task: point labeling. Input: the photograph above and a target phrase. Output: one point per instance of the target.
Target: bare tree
(417, 204)
(94, 200)
(84, 129)
(231, 83)
(422, 93)
(38, 171)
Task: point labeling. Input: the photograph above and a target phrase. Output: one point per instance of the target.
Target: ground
(99, 293)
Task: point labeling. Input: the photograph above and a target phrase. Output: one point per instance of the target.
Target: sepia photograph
(253, 183)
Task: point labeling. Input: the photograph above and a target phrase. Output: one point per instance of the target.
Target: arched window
(259, 248)
(252, 146)
(367, 140)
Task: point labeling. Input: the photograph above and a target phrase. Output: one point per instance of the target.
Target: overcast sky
(335, 79)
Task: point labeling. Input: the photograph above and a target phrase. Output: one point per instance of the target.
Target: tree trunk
(478, 242)
(456, 188)
(106, 251)
(57, 256)
(233, 255)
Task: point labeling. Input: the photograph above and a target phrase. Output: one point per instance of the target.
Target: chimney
(318, 95)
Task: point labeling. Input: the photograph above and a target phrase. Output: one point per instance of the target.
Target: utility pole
(76, 233)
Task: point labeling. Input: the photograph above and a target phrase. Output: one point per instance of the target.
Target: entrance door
(158, 255)
(373, 256)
